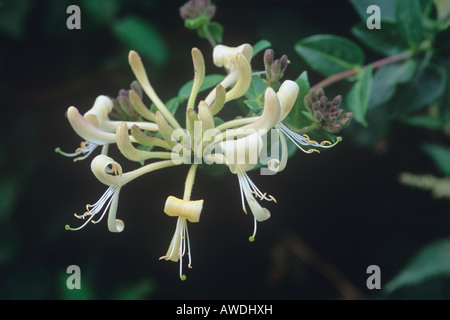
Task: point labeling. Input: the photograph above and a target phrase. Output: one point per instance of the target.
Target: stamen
(104, 202)
(304, 139)
(258, 73)
(309, 141)
(85, 148)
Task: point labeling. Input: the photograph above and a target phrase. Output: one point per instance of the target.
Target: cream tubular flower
(240, 155)
(130, 152)
(87, 130)
(141, 75)
(287, 95)
(237, 61)
(109, 172)
(185, 210)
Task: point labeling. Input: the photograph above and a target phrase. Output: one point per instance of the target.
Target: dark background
(338, 212)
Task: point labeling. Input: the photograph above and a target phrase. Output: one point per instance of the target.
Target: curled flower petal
(99, 111)
(189, 210)
(224, 56)
(287, 94)
(86, 130)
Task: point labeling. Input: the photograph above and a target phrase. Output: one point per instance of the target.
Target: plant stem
(208, 35)
(345, 74)
(189, 182)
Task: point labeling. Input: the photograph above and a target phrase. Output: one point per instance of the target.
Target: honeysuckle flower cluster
(164, 142)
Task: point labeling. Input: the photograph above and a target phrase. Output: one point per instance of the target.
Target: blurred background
(338, 212)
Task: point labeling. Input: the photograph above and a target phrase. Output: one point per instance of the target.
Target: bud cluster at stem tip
(326, 114)
(194, 9)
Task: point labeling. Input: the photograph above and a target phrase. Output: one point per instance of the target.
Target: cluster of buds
(326, 114)
(122, 106)
(197, 12)
(274, 68)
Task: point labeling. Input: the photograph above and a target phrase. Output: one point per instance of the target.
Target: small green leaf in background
(12, 17)
(260, 46)
(137, 291)
(387, 8)
(330, 54)
(424, 122)
(386, 40)
(142, 37)
(173, 104)
(386, 78)
(431, 261)
(440, 156)
(209, 82)
(409, 19)
(418, 93)
(257, 88)
(358, 98)
(214, 28)
(103, 11)
(296, 117)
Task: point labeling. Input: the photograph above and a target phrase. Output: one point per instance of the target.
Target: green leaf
(196, 22)
(358, 98)
(424, 122)
(13, 15)
(257, 88)
(330, 54)
(103, 11)
(431, 261)
(260, 46)
(386, 78)
(255, 105)
(209, 82)
(409, 20)
(142, 37)
(386, 40)
(419, 92)
(387, 8)
(296, 117)
(173, 104)
(215, 29)
(440, 156)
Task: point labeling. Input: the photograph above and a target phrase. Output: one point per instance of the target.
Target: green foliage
(440, 156)
(431, 261)
(213, 30)
(12, 17)
(386, 41)
(296, 118)
(330, 54)
(211, 80)
(260, 46)
(410, 23)
(422, 90)
(358, 97)
(387, 7)
(141, 36)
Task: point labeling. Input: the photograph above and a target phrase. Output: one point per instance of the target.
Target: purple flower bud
(316, 106)
(197, 8)
(283, 63)
(318, 117)
(337, 101)
(123, 93)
